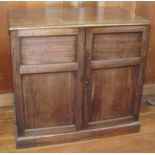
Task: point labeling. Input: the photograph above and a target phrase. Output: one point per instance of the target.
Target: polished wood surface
(5, 58)
(49, 50)
(144, 9)
(53, 85)
(113, 104)
(144, 141)
(46, 113)
(81, 17)
(109, 76)
(49, 62)
(116, 46)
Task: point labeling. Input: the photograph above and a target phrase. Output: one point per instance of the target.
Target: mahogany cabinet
(77, 73)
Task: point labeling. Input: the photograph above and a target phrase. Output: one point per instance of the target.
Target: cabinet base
(78, 135)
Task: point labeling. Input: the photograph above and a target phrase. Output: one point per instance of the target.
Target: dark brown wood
(49, 130)
(79, 135)
(144, 48)
(48, 50)
(80, 76)
(111, 93)
(121, 45)
(77, 82)
(6, 6)
(87, 76)
(15, 52)
(114, 79)
(143, 9)
(43, 106)
(49, 87)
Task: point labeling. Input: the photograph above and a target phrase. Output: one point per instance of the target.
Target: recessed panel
(112, 93)
(49, 49)
(116, 45)
(48, 100)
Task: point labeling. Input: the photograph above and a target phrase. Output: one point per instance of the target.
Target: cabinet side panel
(144, 49)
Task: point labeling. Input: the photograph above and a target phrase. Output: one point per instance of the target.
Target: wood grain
(112, 99)
(124, 143)
(80, 64)
(46, 68)
(75, 17)
(116, 63)
(80, 89)
(49, 108)
(15, 55)
(144, 9)
(107, 78)
(112, 46)
(144, 50)
(48, 50)
(87, 76)
(79, 135)
(48, 90)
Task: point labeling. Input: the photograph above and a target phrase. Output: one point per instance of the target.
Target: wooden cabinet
(78, 76)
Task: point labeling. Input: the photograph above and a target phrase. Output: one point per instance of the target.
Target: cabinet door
(114, 66)
(47, 67)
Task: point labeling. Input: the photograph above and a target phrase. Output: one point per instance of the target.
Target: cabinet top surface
(75, 17)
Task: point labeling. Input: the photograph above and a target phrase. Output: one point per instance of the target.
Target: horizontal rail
(115, 63)
(31, 69)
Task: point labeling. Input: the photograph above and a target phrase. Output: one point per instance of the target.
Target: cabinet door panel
(113, 75)
(112, 93)
(49, 100)
(48, 66)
